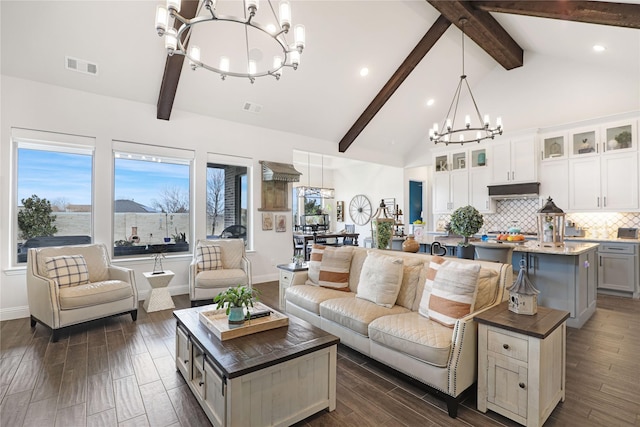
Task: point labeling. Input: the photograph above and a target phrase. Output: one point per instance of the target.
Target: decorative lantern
(550, 225)
(523, 296)
(382, 224)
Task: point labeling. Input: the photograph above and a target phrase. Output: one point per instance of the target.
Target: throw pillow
(315, 259)
(67, 270)
(454, 292)
(209, 257)
(487, 288)
(380, 279)
(410, 277)
(334, 268)
(426, 280)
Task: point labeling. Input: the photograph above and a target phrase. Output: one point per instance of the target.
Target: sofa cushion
(222, 278)
(95, 293)
(208, 257)
(487, 289)
(427, 277)
(334, 268)
(95, 255)
(380, 279)
(410, 275)
(67, 270)
(454, 292)
(355, 313)
(415, 335)
(315, 259)
(309, 297)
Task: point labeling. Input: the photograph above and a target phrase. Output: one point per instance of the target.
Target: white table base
(159, 298)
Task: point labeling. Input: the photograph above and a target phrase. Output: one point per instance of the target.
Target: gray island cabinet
(566, 277)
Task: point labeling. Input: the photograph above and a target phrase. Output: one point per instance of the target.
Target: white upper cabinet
(554, 179)
(553, 146)
(615, 137)
(450, 181)
(514, 160)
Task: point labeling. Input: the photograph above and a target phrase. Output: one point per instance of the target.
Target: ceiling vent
(80, 65)
(252, 107)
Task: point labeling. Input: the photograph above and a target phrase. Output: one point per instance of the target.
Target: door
(584, 184)
(214, 395)
(500, 164)
(478, 191)
(507, 384)
(523, 160)
(415, 201)
(616, 272)
(554, 182)
(619, 181)
(441, 192)
(459, 190)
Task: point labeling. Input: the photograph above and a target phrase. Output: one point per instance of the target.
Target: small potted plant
(234, 300)
(466, 221)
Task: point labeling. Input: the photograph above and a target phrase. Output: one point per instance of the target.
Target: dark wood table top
(539, 325)
(240, 356)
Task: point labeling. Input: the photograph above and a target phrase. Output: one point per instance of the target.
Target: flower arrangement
(466, 221)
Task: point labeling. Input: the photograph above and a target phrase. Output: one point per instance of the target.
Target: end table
(159, 298)
(521, 363)
(290, 274)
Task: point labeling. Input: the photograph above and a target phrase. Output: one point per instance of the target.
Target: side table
(159, 298)
(290, 275)
(521, 363)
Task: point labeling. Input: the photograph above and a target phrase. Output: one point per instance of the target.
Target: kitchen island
(565, 276)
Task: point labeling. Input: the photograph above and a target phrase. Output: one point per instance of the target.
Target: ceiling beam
(173, 67)
(484, 30)
(428, 41)
(592, 12)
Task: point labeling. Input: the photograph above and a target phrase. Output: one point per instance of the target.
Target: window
(228, 213)
(308, 212)
(53, 204)
(151, 199)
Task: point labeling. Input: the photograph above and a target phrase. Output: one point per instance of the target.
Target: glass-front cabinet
(612, 137)
(554, 146)
(478, 157)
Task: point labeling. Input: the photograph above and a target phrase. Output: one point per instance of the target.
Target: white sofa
(443, 358)
(110, 290)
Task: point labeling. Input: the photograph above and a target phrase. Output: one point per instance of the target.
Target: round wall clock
(360, 209)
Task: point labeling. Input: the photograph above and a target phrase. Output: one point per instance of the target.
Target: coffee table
(275, 377)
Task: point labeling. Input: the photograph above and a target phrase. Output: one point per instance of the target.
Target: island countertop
(530, 246)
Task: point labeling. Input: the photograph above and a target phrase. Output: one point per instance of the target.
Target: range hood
(514, 191)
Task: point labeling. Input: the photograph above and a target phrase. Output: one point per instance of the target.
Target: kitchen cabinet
(521, 363)
(514, 161)
(553, 146)
(618, 267)
(554, 179)
(614, 137)
(605, 182)
(479, 179)
(565, 281)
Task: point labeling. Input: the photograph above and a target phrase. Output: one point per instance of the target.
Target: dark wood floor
(116, 372)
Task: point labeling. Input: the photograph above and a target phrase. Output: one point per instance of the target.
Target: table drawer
(286, 277)
(508, 345)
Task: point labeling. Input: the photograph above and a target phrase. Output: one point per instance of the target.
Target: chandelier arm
(456, 95)
(475, 105)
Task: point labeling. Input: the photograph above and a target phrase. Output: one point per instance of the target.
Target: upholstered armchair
(217, 265)
(67, 285)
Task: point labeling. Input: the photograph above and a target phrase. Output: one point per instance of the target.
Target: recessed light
(431, 102)
(599, 48)
(364, 71)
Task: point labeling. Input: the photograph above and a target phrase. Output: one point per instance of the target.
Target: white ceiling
(324, 97)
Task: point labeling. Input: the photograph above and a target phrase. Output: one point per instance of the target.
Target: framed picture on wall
(281, 223)
(267, 221)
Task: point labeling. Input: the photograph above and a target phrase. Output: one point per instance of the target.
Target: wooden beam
(173, 67)
(593, 12)
(484, 30)
(407, 66)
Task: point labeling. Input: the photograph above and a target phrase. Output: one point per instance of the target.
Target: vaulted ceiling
(411, 48)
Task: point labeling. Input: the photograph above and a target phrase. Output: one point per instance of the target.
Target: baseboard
(14, 313)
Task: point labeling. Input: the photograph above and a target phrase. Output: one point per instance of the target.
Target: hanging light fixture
(308, 191)
(176, 40)
(472, 131)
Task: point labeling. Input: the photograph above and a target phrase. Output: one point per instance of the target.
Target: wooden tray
(218, 323)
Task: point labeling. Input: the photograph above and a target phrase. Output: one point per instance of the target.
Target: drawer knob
(521, 385)
(505, 346)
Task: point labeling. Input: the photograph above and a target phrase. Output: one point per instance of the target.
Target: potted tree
(235, 299)
(466, 221)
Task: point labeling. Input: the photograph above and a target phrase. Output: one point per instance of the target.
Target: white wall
(32, 105)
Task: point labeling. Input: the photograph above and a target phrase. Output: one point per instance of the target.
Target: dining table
(322, 237)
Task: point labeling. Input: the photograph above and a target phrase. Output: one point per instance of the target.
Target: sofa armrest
(125, 275)
(193, 270)
(301, 278)
(246, 266)
(42, 294)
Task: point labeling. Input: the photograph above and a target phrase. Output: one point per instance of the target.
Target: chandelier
(322, 191)
(176, 41)
(472, 131)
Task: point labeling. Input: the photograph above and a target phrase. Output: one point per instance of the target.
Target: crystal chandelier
(176, 41)
(472, 131)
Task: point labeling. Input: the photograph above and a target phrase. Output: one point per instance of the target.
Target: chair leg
(134, 315)
(452, 406)
(33, 322)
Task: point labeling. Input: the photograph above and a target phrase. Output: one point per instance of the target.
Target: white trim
(171, 154)
(11, 313)
(52, 138)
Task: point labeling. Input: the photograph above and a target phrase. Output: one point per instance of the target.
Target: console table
(521, 363)
(276, 377)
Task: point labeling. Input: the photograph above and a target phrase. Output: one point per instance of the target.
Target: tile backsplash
(523, 212)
